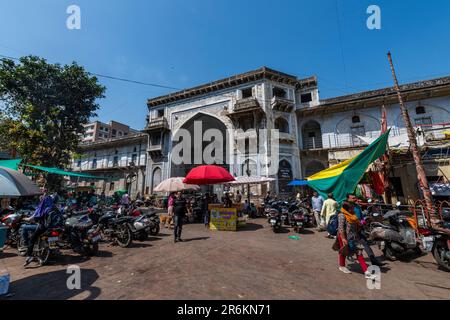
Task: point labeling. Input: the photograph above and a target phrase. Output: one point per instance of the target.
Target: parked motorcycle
(298, 219)
(80, 235)
(13, 220)
(395, 237)
(47, 246)
(115, 227)
(274, 215)
(438, 241)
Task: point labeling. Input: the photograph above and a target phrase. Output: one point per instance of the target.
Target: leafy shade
(43, 108)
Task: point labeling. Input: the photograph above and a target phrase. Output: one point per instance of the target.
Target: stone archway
(206, 122)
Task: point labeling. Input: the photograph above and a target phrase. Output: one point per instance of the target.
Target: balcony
(244, 108)
(156, 151)
(157, 124)
(155, 148)
(286, 137)
(282, 104)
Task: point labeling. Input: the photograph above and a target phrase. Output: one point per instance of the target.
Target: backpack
(54, 219)
(333, 225)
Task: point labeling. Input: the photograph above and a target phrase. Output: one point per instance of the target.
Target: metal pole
(414, 148)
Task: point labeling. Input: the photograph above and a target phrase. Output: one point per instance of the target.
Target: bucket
(3, 232)
(4, 283)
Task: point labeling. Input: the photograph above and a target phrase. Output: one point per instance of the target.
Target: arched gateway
(206, 122)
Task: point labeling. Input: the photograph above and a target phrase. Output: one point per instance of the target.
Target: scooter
(397, 237)
(438, 241)
(274, 215)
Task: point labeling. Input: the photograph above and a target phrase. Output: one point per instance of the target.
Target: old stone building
(259, 99)
(314, 133)
(339, 128)
(120, 161)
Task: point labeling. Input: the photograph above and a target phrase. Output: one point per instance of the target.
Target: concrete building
(99, 131)
(339, 128)
(121, 161)
(314, 133)
(259, 99)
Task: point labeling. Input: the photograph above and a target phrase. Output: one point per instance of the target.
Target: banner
(223, 219)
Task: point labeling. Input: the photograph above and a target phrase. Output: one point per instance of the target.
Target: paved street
(253, 263)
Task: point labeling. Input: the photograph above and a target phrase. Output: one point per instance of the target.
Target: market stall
(222, 219)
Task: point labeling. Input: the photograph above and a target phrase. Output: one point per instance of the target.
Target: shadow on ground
(251, 227)
(53, 286)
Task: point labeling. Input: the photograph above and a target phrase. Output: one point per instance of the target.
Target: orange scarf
(351, 218)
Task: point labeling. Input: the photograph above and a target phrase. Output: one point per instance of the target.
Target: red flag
(384, 126)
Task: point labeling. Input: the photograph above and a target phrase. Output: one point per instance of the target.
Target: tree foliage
(43, 108)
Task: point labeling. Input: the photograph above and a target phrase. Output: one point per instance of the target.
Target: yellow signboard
(223, 219)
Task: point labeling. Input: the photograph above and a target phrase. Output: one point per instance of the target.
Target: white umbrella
(249, 180)
(174, 185)
(16, 184)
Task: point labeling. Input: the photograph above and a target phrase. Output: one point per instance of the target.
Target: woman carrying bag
(348, 236)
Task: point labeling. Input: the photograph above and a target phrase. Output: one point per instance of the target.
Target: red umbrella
(208, 175)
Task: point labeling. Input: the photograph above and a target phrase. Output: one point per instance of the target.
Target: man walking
(328, 210)
(179, 212)
(317, 204)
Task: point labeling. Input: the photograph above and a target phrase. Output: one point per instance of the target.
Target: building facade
(339, 128)
(121, 162)
(99, 131)
(256, 100)
(314, 133)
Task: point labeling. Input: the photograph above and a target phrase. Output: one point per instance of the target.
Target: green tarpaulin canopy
(65, 173)
(10, 164)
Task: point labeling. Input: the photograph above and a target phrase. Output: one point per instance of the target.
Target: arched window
(356, 119)
(420, 110)
(156, 177)
(282, 125)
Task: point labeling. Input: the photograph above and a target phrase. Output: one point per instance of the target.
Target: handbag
(336, 246)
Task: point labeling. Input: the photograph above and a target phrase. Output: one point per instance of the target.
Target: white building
(121, 161)
(314, 133)
(260, 99)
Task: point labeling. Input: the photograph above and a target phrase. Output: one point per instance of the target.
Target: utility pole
(414, 148)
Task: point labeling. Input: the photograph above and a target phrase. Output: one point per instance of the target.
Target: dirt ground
(253, 263)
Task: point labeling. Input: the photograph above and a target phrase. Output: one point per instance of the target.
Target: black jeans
(178, 226)
(34, 238)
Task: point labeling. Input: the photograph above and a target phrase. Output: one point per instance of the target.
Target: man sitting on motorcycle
(39, 217)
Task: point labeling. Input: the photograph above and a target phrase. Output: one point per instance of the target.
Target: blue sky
(182, 43)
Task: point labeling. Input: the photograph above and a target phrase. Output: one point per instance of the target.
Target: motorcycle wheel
(91, 249)
(42, 251)
(154, 231)
(438, 249)
(389, 254)
(21, 247)
(124, 238)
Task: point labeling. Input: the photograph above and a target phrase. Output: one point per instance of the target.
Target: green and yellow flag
(343, 178)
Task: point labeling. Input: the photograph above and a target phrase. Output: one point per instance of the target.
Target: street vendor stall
(247, 181)
(222, 219)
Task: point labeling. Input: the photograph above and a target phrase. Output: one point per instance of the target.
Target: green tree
(43, 108)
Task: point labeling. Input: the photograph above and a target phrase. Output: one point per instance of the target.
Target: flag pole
(423, 182)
